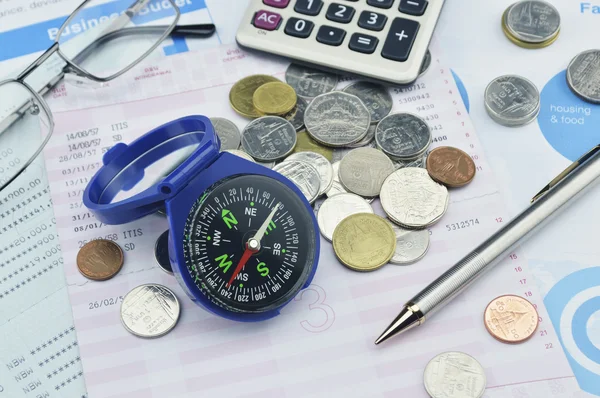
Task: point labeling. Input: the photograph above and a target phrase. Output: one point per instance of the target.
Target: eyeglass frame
(71, 66)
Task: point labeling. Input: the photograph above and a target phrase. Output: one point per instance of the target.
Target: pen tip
(407, 319)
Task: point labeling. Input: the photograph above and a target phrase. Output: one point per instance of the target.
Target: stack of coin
(512, 101)
(404, 137)
(531, 24)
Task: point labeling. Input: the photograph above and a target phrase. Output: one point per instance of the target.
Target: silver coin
(376, 98)
(268, 165)
(533, 21)
(338, 207)
(240, 154)
(412, 199)
(336, 186)
(583, 76)
(228, 133)
(411, 245)
(337, 119)
(309, 82)
(305, 176)
(426, 63)
(269, 138)
(363, 171)
(512, 100)
(298, 119)
(320, 163)
(339, 153)
(454, 374)
(161, 252)
(150, 310)
(403, 136)
(419, 162)
(367, 141)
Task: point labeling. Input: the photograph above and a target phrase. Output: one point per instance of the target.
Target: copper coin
(511, 319)
(450, 166)
(100, 259)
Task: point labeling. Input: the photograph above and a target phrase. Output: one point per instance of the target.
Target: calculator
(384, 40)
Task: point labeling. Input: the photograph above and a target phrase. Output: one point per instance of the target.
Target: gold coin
(305, 143)
(240, 96)
(524, 44)
(511, 319)
(274, 98)
(364, 242)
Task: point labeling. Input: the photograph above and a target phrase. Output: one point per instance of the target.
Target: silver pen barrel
(494, 249)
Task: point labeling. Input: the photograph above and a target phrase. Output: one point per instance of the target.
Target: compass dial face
(249, 243)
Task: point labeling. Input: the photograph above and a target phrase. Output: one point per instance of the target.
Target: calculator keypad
(299, 27)
(308, 7)
(340, 13)
(330, 35)
(400, 39)
(372, 20)
(267, 20)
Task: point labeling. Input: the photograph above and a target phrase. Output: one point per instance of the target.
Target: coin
(411, 245)
(376, 98)
(336, 187)
(275, 98)
(309, 82)
(150, 310)
(368, 139)
(269, 138)
(228, 133)
(532, 21)
(333, 210)
(297, 115)
(426, 63)
(363, 171)
(305, 176)
(511, 319)
(100, 259)
(583, 76)
(512, 100)
(240, 96)
(364, 242)
(532, 46)
(268, 165)
(337, 119)
(418, 162)
(403, 136)
(240, 154)
(305, 143)
(454, 374)
(320, 163)
(161, 252)
(450, 166)
(412, 199)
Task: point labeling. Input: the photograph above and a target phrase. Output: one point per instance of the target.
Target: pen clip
(566, 172)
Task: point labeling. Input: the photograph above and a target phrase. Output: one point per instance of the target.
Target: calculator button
(380, 3)
(400, 39)
(267, 20)
(277, 3)
(363, 43)
(372, 20)
(340, 13)
(330, 35)
(299, 28)
(309, 7)
(413, 7)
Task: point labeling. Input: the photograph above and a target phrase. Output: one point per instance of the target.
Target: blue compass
(243, 239)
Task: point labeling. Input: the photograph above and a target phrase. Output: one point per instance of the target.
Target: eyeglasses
(97, 43)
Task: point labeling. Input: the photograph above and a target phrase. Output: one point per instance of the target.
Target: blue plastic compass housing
(243, 239)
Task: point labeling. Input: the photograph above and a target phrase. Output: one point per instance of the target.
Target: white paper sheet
(322, 344)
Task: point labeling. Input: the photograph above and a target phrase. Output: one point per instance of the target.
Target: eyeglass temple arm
(196, 30)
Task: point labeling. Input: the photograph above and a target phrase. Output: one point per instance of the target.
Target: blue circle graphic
(568, 123)
(580, 334)
(462, 90)
(556, 300)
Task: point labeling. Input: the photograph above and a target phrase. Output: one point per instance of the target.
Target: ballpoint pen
(572, 182)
